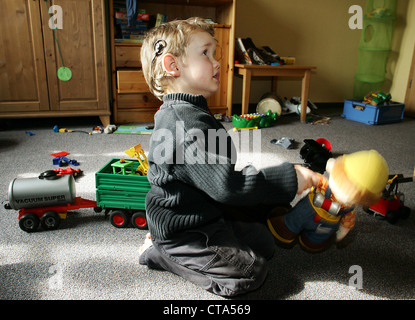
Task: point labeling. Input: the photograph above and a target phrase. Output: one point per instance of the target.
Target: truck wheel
(50, 220)
(139, 220)
(392, 217)
(119, 219)
(404, 212)
(29, 222)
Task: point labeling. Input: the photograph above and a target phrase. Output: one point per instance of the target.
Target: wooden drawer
(127, 56)
(131, 81)
(138, 101)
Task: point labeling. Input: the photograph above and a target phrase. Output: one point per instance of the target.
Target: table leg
(274, 85)
(246, 90)
(304, 94)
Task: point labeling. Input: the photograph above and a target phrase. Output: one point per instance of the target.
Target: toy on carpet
(391, 205)
(61, 159)
(315, 154)
(294, 106)
(254, 120)
(285, 142)
(327, 213)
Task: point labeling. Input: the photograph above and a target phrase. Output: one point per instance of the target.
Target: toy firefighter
(328, 211)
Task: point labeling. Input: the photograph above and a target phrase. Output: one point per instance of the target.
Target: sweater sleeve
(248, 187)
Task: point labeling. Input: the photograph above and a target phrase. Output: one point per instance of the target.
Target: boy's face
(199, 71)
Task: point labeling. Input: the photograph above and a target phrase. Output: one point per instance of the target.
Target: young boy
(206, 220)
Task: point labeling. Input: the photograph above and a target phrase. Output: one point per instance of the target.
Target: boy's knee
(231, 287)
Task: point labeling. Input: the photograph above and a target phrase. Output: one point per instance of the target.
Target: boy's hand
(306, 178)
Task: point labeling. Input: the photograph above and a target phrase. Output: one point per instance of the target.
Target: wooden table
(247, 71)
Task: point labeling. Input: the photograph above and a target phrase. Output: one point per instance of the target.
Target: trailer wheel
(119, 219)
(50, 220)
(139, 220)
(29, 222)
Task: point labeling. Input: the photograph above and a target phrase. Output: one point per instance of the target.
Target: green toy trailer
(121, 192)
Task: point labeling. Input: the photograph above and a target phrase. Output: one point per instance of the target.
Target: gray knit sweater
(192, 175)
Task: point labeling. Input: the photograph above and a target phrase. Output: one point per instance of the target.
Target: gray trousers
(226, 257)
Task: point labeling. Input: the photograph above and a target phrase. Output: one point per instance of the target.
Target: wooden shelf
(132, 101)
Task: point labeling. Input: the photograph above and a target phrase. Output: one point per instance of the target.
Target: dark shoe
(313, 247)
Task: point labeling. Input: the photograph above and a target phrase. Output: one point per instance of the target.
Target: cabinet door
(82, 43)
(23, 85)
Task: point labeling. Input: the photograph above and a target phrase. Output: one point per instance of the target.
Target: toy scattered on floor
(294, 106)
(391, 204)
(316, 153)
(133, 130)
(110, 128)
(327, 213)
(377, 98)
(285, 142)
(315, 119)
(60, 172)
(269, 101)
(254, 120)
(57, 129)
(29, 133)
(95, 130)
(61, 160)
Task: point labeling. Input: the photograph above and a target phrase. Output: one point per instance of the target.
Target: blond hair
(172, 37)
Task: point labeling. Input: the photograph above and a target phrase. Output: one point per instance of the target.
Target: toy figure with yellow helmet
(327, 213)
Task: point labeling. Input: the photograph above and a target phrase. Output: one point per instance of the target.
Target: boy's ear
(170, 65)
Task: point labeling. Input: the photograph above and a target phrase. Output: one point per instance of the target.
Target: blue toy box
(358, 111)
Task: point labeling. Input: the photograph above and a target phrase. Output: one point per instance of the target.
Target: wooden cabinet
(30, 57)
(132, 100)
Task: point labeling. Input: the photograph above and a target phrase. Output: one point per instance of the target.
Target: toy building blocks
(377, 98)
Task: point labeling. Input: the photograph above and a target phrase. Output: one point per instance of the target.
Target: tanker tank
(41, 192)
